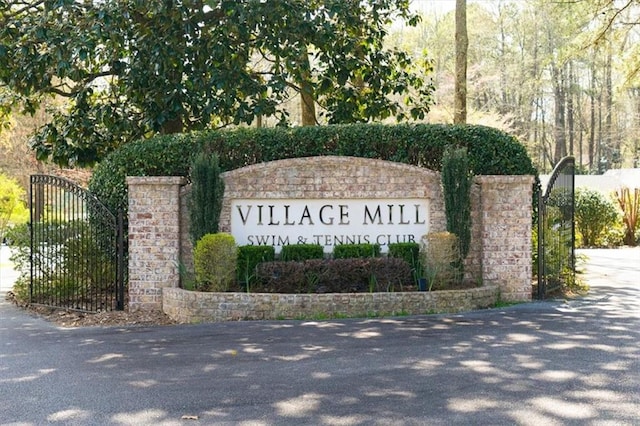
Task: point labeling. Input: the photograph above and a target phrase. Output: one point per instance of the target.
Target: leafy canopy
(131, 68)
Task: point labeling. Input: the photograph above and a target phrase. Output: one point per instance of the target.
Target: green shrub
(300, 252)
(350, 251)
(335, 276)
(456, 186)
(215, 257)
(73, 265)
(20, 238)
(491, 152)
(248, 258)
(205, 200)
(169, 155)
(594, 214)
(410, 253)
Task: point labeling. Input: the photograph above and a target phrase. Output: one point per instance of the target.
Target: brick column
(154, 239)
(506, 234)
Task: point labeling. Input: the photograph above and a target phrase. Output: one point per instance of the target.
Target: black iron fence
(77, 248)
(556, 230)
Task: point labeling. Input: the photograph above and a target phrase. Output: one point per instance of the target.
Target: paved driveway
(543, 363)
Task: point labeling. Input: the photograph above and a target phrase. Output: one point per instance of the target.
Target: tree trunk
(570, 111)
(592, 133)
(610, 145)
(559, 121)
(462, 44)
(307, 94)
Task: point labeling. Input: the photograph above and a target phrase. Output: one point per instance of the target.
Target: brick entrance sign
(330, 200)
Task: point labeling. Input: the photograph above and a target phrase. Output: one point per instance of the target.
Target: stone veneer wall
(506, 234)
(154, 239)
(195, 307)
(501, 218)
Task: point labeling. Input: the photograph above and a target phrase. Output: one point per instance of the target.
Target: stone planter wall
(196, 307)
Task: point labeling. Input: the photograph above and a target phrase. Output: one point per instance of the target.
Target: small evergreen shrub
(205, 199)
(300, 252)
(248, 258)
(456, 186)
(594, 214)
(410, 253)
(349, 251)
(215, 258)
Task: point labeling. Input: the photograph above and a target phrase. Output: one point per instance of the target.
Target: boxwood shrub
(300, 252)
(348, 251)
(248, 258)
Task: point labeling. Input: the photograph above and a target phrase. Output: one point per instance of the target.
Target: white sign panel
(328, 222)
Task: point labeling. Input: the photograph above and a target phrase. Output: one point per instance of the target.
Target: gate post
(154, 239)
(506, 234)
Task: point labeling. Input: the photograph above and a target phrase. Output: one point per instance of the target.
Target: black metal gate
(556, 230)
(77, 248)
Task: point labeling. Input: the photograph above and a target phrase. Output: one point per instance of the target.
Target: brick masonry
(154, 238)
(500, 255)
(195, 307)
(505, 209)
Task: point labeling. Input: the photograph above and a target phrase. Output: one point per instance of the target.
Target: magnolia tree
(130, 68)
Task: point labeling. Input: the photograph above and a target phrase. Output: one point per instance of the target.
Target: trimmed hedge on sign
(491, 151)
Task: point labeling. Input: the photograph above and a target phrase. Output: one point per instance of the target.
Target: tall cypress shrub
(456, 185)
(207, 190)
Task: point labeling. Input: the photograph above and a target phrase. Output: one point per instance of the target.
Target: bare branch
(609, 24)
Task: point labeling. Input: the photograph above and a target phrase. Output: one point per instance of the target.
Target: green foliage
(12, 206)
(456, 185)
(491, 152)
(205, 200)
(359, 275)
(300, 252)
(535, 258)
(133, 69)
(350, 251)
(20, 237)
(73, 267)
(215, 258)
(557, 250)
(594, 214)
(160, 156)
(410, 253)
(248, 258)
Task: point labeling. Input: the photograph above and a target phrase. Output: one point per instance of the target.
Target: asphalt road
(541, 363)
